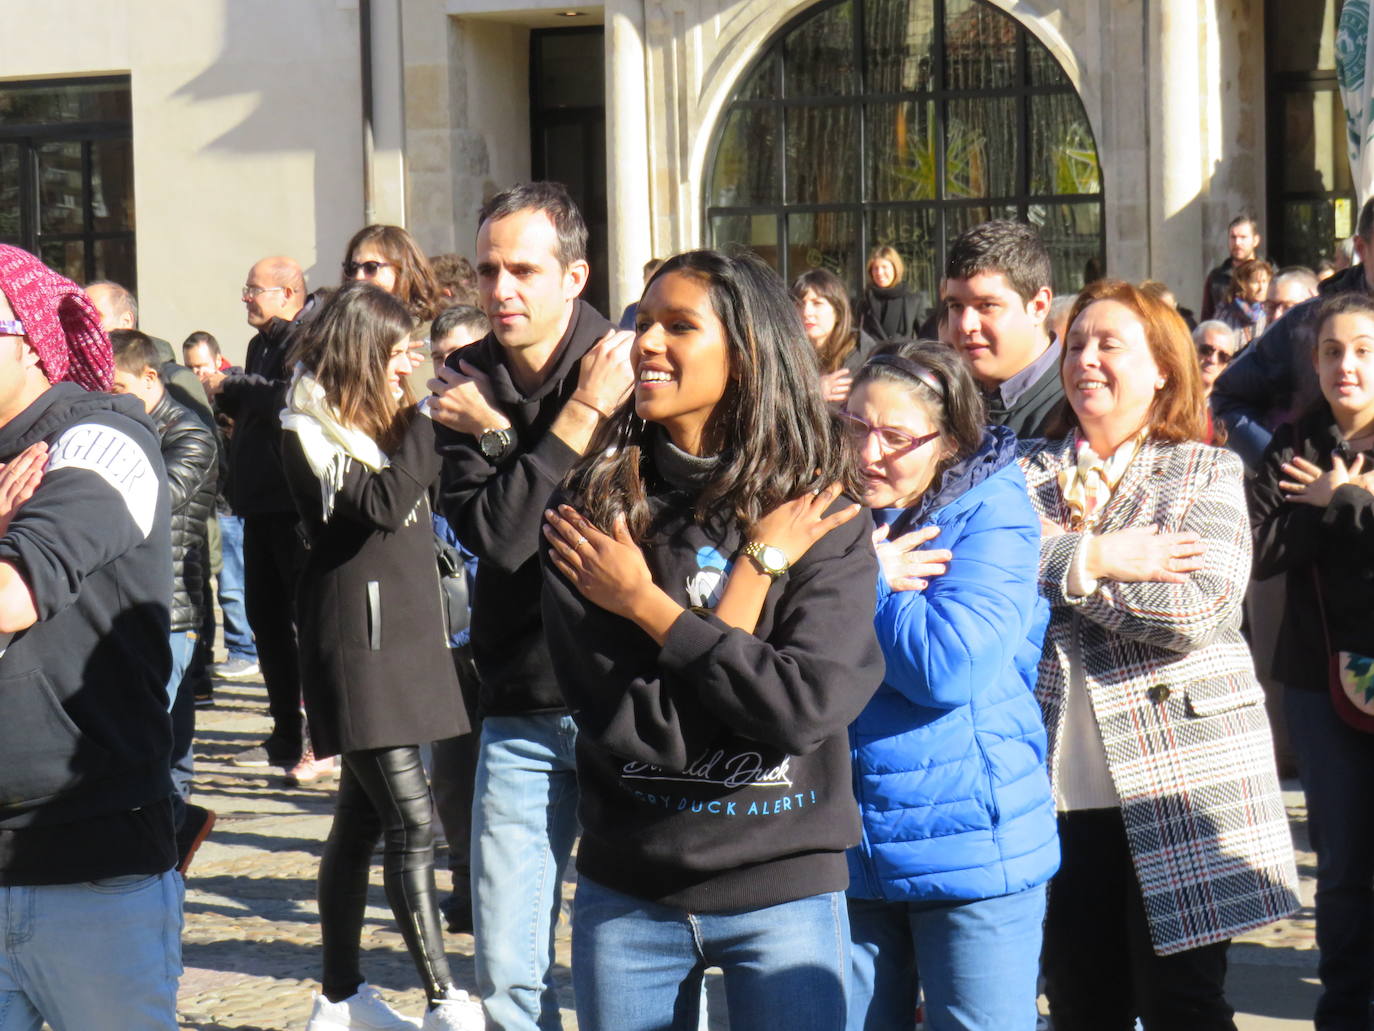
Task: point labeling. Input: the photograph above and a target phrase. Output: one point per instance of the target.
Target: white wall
(246, 133)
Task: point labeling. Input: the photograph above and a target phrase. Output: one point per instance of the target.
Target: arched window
(903, 122)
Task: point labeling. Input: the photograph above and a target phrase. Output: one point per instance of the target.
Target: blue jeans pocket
(126, 884)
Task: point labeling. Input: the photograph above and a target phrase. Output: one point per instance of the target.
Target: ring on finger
(581, 541)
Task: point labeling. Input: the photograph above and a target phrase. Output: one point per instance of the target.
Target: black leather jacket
(191, 455)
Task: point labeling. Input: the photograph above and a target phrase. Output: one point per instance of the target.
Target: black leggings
(381, 791)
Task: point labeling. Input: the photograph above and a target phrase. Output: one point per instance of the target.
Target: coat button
(1159, 694)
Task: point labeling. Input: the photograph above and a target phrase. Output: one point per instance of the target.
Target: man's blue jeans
(104, 954)
(524, 820)
(638, 966)
(977, 963)
(238, 636)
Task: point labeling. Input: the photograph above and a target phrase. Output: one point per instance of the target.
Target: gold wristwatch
(769, 559)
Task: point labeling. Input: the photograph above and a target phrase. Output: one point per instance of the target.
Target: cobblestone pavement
(251, 943)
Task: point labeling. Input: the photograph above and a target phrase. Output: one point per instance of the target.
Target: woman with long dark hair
(828, 322)
(700, 583)
(389, 258)
(947, 886)
(359, 461)
(1312, 507)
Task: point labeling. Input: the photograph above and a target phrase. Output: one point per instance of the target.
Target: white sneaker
(365, 1010)
(457, 1011)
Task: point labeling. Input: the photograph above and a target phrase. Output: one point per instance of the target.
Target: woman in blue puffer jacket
(947, 886)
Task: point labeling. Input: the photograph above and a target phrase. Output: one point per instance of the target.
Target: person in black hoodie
(700, 588)
(86, 842)
(514, 412)
(1312, 510)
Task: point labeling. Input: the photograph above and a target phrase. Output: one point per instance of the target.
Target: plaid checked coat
(1174, 693)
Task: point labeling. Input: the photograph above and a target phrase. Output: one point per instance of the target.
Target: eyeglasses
(252, 293)
(1208, 351)
(890, 441)
(11, 328)
(369, 269)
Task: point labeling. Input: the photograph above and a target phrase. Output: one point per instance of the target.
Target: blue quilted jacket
(949, 756)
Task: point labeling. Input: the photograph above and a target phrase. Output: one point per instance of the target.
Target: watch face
(773, 558)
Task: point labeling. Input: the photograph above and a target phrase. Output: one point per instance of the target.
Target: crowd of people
(888, 655)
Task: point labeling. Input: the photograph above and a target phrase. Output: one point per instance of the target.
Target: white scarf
(329, 445)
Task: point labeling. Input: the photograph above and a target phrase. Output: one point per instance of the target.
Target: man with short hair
(119, 310)
(1242, 241)
(276, 305)
(996, 301)
(190, 454)
(90, 907)
(516, 411)
(456, 278)
(1288, 289)
(1273, 379)
(201, 354)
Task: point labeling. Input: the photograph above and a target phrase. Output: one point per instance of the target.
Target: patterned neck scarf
(1088, 484)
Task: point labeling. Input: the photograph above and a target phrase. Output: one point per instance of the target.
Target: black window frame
(1279, 86)
(940, 95)
(30, 137)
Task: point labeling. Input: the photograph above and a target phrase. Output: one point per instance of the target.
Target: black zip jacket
(254, 400)
(1331, 546)
(497, 511)
(715, 771)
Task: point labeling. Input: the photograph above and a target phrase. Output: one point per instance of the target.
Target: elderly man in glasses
(276, 305)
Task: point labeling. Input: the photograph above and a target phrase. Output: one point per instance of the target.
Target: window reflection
(903, 122)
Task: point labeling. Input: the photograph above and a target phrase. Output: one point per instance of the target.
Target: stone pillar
(627, 158)
(388, 115)
(1178, 170)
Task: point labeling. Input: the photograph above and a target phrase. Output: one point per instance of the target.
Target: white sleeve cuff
(1079, 584)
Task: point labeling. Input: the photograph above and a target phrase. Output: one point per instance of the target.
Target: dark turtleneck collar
(677, 468)
(888, 293)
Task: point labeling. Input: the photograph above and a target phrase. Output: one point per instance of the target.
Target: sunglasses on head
(367, 268)
(1208, 351)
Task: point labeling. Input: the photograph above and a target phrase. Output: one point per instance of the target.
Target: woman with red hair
(1172, 826)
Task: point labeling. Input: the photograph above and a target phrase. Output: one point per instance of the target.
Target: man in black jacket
(515, 412)
(996, 298)
(1242, 241)
(276, 306)
(89, 901)
(190, 453)
(1273, 379)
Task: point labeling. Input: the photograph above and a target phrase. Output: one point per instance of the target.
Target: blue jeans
(638, 966)
(238, 636)
(524, 820)
(977, 963)
(183, 647)
(1336, 763)
(104, 954)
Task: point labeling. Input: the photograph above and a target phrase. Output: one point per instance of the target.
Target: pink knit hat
(59, 321)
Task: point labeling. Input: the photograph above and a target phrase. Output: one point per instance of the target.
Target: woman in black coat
(359, 460)
(889, 309)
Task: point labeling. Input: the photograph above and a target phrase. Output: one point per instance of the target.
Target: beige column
(627, 153)
(1178, 169)
(388, 115)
